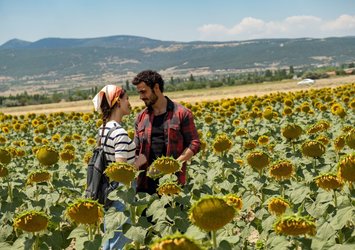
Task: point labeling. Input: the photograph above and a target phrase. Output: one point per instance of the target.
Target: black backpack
(97, 183)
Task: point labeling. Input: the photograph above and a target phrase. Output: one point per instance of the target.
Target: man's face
(146, 94)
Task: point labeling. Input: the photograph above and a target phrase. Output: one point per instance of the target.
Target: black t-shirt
(158, 147)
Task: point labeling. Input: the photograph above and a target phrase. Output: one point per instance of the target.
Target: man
(163, 128)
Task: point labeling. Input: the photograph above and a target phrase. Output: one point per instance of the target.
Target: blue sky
(177, 20)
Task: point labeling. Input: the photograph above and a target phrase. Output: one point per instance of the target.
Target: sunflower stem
(9, 190)
(36, 243)
(214, 239)
(90, 232)
(315, 166)
(282, 190)
(335, 199)
(133, 214)
(341, 236)
(293, 147)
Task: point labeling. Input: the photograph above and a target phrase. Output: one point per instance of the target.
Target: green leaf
(278, 242)
(137, 234)
(325, 231)
(298, 192)
(78, 232)
(342, 217)
(114, 219)
(267, 224)
(5, 231)
(195, 232)
(224, 245)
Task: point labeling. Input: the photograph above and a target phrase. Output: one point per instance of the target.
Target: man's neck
(160, 106)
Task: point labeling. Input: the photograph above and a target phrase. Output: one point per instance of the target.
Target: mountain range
(92, 59)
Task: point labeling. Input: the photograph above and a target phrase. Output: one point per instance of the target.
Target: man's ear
(156, 87)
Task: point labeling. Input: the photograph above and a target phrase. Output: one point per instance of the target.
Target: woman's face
(125, 105)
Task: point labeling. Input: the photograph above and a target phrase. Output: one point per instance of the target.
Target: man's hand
(140, 160)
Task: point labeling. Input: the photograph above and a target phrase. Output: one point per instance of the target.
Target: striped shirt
(118, 145)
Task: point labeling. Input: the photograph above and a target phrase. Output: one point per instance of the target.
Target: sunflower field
(274, 172)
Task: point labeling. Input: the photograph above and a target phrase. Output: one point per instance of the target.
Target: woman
(112, 102)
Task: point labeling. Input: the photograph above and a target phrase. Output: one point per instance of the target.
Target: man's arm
(186, 155)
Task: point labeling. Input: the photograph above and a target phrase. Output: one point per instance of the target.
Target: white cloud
(290, 27)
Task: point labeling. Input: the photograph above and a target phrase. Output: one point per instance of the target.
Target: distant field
(191, 96)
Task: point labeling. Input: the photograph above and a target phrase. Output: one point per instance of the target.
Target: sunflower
(241, 132)
(268, 113)
(208, 119)
(350, 138)
(5, 156)
(239, 161)
(282, 170)
(169, 188)
(305, 107)
(258, 160)
(87, 157)
(166, 165)
(91, 141)
(42, 128)
(69, 146)
(56, 138)
(234, 201)
(175, 242)
(211, 213)
(323, 139)
(287, 111)
(288, 102)
(346, 168)
(77, 137)
(2, 139)
(236, 122)
(38, 177)
(47, 155)
(85, 211)
(313, 149)
(85, 118)
(37, 139)
(35, 123)
(277, 206)
(67, 138)
(31, 221)
(339, 142)
(3, 171)
(263, 140)
(121, 172)
(294, 225)
(249, 144)
(328, 181)
(222, 144)
(291, 131)
(338, 109)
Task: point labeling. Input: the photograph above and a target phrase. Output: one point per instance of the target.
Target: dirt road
(191, 96)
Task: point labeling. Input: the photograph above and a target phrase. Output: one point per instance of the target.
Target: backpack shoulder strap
(107, 136)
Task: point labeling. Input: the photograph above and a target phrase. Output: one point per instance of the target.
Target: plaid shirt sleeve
(189, 132)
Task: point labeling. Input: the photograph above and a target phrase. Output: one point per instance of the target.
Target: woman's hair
(150, 78)
(106, 110)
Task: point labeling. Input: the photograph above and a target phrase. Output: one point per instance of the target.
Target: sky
(176, 20)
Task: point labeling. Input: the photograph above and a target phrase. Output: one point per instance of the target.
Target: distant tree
(127, 85)
(172, 80)
(291, 70)
(351, 65)
(191, 79)
(268, 73)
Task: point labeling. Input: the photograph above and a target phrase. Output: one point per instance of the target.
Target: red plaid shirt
(181, 133)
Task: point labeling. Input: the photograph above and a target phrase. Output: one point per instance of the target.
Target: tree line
(179, 84)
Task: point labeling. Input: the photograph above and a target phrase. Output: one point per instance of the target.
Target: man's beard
(152, 100)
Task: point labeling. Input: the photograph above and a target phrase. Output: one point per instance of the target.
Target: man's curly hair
(150, 78)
